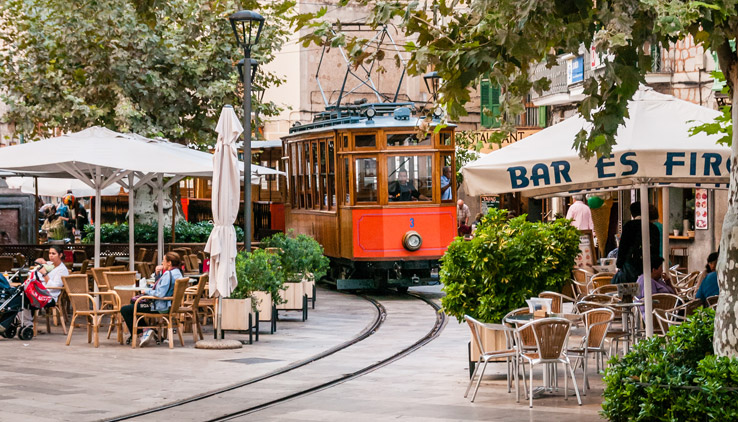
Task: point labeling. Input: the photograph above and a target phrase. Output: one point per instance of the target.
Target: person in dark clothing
(403, 189)
(630, 250)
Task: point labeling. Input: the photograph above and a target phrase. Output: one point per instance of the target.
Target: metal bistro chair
(509, 354)
(557, 300)
(596, 323)
(551, 335)
(712, 301)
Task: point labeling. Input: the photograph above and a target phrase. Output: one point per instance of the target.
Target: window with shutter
(543, 116)
(490, 99)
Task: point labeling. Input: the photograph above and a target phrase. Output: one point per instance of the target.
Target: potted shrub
(259, 285)
(505, 263)
(302, 262)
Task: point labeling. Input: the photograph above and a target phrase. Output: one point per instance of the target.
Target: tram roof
(356, 122)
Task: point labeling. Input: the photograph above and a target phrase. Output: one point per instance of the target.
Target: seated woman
(50, 274)
(53, 270)
(166, 274)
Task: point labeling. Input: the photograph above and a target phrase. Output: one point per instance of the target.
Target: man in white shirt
(580, 214)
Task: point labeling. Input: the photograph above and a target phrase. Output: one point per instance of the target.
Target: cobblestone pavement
(43, 379)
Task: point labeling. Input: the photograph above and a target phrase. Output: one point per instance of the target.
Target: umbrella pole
(646, 248)
(219, 331)
(131, 231)
(35, 210)
(98, 207)
(160, 228)
(665, 229)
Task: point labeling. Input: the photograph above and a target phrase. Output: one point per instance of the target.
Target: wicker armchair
(102, 283)
(557, 300)
(84, 305)
(120, 278)
(171, 318)
(191, 306)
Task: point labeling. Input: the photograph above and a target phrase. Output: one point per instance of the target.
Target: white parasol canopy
(653, 147)
(58, 187)
(100, 158)
(225, 201)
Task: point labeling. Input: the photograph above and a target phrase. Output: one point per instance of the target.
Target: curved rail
(368, 331)
(439, 325)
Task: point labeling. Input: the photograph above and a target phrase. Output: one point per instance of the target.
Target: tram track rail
(438, 327)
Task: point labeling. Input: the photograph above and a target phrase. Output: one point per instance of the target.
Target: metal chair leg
(479, 381)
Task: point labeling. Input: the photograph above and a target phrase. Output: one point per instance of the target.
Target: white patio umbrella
(58, 187)
(225, 202)
(653, 148)
(100, 158)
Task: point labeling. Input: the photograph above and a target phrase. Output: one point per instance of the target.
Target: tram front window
(410, 178)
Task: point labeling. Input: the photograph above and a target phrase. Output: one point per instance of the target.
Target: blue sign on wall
(577, 70)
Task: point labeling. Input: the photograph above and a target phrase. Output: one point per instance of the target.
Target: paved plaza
(44, 379)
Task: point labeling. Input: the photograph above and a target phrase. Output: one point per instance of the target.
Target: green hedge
(673, 378)
(185, 232)
(505, 263)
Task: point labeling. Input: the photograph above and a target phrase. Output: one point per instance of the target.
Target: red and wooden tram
(370, 186)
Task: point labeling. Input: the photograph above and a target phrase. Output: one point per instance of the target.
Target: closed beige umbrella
(225, 201)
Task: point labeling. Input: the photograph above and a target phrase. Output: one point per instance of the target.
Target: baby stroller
(13, 301)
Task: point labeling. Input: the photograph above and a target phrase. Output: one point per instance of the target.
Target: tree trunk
(725, 342)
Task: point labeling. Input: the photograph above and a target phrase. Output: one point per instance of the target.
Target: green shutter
(490, 100)
(542, 116)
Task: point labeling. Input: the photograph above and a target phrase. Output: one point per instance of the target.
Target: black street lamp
(247, 27)
(432, 80)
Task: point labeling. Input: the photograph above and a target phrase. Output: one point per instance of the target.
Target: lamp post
(255, 88)
(432, 80)
(247, 27)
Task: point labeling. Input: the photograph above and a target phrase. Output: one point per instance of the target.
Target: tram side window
(365, 141)
(448, 187)
(407, 139)
(346, 181)
(307, 180)
(410, 178)
(366, 180)
(445, 139)
(331, 175)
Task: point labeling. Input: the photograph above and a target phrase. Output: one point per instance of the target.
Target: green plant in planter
(673, 378)
(258, 271)
(299, 255)
(505, 263)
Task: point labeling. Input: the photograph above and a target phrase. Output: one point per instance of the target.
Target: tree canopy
(466, 40)
(155, 67)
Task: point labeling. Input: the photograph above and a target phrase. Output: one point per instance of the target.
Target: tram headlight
(412, 241)
(370, 113)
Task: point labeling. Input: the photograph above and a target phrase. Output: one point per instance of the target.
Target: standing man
(446, 190)
(462, 218)
(580, 214)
